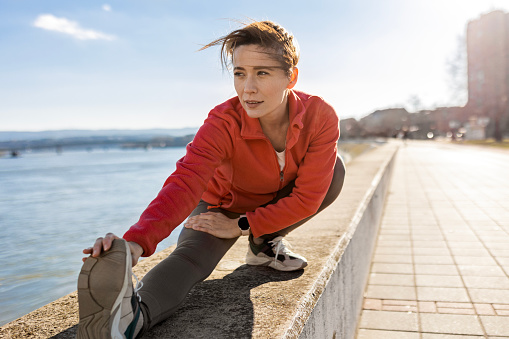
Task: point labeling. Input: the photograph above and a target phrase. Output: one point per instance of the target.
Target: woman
(261, 165)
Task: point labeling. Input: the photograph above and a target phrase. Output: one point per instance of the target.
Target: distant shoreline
(58, 140)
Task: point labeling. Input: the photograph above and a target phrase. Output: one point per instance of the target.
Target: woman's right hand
(104, 244)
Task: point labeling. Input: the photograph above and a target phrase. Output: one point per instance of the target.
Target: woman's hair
(279, 44)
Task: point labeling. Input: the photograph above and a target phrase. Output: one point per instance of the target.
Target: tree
(457, 70)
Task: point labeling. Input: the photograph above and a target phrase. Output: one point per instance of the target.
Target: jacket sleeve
(183, 189)
(314, 177)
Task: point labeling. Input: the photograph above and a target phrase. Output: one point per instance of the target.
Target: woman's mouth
(252, 103)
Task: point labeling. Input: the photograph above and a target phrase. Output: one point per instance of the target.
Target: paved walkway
(441, 265)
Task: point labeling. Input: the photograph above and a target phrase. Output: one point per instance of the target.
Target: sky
(135, 64)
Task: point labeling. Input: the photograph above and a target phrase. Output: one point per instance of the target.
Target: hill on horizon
(63, 134)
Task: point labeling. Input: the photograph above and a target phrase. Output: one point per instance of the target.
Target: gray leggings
(197, 254)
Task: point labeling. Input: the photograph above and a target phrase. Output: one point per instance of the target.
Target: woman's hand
(104, 244)
(217, 224)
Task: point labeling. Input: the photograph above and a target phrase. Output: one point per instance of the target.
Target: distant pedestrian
(261, 165)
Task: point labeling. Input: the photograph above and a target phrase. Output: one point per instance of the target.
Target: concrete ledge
(332, 307)
(240, 301)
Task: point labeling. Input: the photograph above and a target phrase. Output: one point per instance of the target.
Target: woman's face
(261, 82)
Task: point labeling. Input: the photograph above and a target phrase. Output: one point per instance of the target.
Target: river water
(54, 205)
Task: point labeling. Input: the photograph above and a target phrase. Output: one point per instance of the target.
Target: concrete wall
(343, 279)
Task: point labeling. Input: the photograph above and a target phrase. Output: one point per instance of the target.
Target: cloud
(63, 25)
(106, 8)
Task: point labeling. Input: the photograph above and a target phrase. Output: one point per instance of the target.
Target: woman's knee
(338, 179)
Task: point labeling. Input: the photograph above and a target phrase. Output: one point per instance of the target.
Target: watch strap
(244, 225)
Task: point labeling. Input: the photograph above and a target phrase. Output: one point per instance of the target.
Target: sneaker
(109, 307)
(273, 253)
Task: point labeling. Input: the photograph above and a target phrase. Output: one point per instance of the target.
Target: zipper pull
(281, 176)
(216, 206)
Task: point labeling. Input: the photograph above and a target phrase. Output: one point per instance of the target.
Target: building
(385, 123)
(488, 71)
(486, 114)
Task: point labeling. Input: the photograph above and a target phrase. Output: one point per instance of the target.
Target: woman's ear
(293, 78)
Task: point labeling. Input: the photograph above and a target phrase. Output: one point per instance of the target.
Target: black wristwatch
(243, 225)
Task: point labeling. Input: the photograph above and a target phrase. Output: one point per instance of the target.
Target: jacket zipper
(281, 172)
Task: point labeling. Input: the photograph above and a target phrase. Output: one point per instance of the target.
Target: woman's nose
(250, 85)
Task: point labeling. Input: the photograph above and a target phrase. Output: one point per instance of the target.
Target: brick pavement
(441, 265)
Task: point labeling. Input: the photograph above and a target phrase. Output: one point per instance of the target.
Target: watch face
(243, 224)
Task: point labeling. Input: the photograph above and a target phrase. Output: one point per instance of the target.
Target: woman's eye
(238, 74)
(262, 73)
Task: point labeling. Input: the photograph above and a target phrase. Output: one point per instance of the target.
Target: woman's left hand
(217, 224)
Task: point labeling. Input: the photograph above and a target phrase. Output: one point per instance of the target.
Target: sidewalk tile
(495, 326)
(430, 251)
(393, 237)
(436, 269)
(468, 251)
(486, 282)
(390, 292)
(377, 334)
(393, 243)
(495, 239)
(438, 281)
(484, 309)
(442, 294)
(392, 258)
(495, 245)
(427, 307)
(391, 279)
(427, 237)
(458, 240)
(484, 271)
(504, 261)
(455, 305)
(450, 324)
(398, 308)
(372, 304)
(465, 244)
(500, 252)
(489, 296)
(449, 310)
(400, 302)
(426, 231)
(393, 250)
(433, 259)
(392, 268)
(477, 260)
(384, 231)
(386, 320)
(506, 269)
(427, 244)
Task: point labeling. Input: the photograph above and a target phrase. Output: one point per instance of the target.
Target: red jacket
(231, 163)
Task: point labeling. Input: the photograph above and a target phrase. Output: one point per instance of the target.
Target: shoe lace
(281, 245)
(139, 285)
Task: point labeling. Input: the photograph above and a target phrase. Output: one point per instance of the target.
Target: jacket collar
(251, 128)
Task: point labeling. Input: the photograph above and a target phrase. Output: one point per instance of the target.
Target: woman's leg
(168, 283)
(270, 250)
(335, 187)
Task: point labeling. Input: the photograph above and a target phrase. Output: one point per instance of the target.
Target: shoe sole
(100, 296)
(270, 262)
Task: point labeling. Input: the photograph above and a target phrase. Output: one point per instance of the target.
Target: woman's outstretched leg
(168, 283)
(111, 307)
